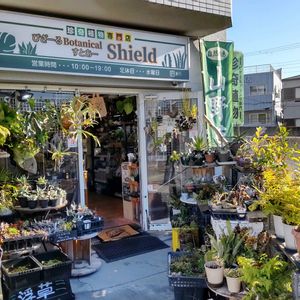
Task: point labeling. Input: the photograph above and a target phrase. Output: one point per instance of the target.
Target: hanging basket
(98, 104)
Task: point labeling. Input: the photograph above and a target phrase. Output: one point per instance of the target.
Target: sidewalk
(141, 277)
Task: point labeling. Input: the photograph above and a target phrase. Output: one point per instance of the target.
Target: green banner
(238, 88)
(217, 60)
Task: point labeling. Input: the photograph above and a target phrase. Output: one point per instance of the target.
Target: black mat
(127, 247)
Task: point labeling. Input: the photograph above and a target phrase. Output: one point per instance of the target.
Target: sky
(271, 25)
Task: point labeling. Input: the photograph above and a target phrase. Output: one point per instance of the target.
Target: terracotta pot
(296, 234)
(210, 157)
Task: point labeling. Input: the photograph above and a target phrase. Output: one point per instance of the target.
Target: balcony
(195, 18)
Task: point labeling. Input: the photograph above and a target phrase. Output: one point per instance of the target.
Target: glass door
(170, 121)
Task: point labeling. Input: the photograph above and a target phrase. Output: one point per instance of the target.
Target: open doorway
(112, 167)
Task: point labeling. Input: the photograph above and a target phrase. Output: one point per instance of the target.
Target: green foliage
(233, 273)
(270, 151)
(198, 143)
(175, 156)
(267, 278)
(228, 247)
(4, 133)
(280, 195)
(125, 106)
(190, 264)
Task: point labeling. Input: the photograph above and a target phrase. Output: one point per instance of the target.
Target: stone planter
(214, 273)
(290, 242)
(278, 225)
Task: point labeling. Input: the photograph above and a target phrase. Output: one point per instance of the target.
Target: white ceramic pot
(278, 226)
(290, 242)
(214, 276)
(233, 284)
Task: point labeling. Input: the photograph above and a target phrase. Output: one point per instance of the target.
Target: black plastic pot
(32, 204)
(224, 156)
(198, 158)
(185, 160)
(23, 201)
(53, 202)
(43, 203)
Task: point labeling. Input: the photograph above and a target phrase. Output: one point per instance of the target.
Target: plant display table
(85, 261)
(26, 210)
(223, 291)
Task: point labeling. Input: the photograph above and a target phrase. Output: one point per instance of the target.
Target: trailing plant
(77, 116)
(266, 278)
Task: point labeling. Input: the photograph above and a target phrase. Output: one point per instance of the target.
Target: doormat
(128, 247)
(117, 233)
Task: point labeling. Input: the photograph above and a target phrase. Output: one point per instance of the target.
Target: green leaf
(128, 108)
(120, 106)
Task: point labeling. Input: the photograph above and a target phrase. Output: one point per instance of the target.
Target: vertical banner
(238, 88)
(217, 60)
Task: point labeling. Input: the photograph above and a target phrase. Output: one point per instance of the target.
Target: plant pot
(53, 202)
(296, 235)
(209, 157)
(278, 225)
(43, 203)
(185, 161)
(233, 284)
(23, 201)
(32, 204)
(234, 147)
(198, 158)
(289, 239)
(223, 156)
(215, 276)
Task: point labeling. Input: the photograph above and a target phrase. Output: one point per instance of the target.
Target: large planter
(289, 238)
(214, 273)
(278, 225)
(233, 284)
(297, 239)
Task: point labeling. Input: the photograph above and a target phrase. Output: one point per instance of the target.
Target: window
(297, 94)
(257, 90)
(262, 118)
(258, 118)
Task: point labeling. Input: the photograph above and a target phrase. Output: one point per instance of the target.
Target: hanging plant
(125, 106)
(76, 117)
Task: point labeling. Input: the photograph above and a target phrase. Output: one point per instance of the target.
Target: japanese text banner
(238, 88)
(217, 60)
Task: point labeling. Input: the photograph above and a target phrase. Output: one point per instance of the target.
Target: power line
(274, 49)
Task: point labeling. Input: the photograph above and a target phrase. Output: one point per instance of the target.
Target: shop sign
(49, 45)
(58, 289)
(238, 88)
(217, 60)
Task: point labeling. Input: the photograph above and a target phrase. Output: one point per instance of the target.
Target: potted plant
(32, 200)
(210, 156)
(53, 196)
(23, 196)
(233, 279)
(42, 196)
(198, 146)
(223, 153)
(42, 182)
(185, 158)
(215, 273)
(266, 278)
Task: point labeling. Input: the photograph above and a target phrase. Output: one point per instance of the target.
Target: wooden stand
(85, 261)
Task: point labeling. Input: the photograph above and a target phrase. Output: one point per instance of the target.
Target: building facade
(291, 104)
(163, 26)
(262, 97)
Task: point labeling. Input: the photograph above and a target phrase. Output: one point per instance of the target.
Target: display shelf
(223, 291)
(39, 209)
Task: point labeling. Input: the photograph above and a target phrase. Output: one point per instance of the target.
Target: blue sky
(266, 24)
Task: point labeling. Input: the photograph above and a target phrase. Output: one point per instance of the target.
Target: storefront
(56, 59)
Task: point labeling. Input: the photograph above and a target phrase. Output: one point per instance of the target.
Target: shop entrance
(112, 166)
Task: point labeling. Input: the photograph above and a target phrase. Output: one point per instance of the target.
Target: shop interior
(107, 192)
